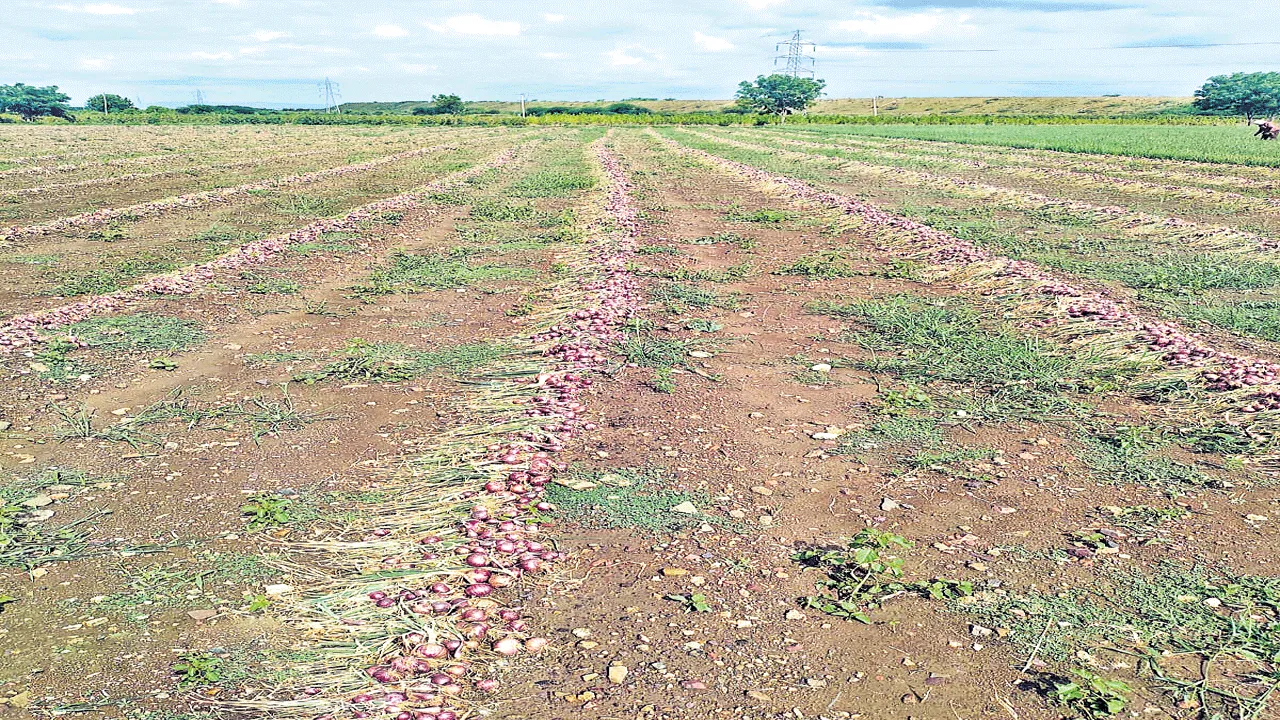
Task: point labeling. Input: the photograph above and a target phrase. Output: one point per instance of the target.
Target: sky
(277, 51)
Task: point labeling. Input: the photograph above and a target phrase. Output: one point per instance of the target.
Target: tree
(32, 102)
(1248, 94)
(448, 104)
(779, 94)
(108, 103)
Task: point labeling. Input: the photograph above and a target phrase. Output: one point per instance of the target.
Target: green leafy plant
(264, 511)
(198, 670)
(696, 602)
(1092, 695)
(860, 576)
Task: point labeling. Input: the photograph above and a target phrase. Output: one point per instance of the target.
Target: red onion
(479, 590)
(432, 650)
(507, 646)
(536, 645)
(487, 685)
(477, 560)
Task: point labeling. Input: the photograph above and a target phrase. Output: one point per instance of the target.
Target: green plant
(697, 602)
(1092, 695)
(198, 670)
(166, 364)
(860, 576)
(264, 511)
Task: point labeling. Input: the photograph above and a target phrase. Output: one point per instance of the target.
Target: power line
(797, 56)
(1185, 46)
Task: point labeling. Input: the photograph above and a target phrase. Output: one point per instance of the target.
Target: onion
(474, 615)
(441, 589)
(477, 560)
(441, 679)
(501, 581)
(507, 646)
(536, 645)
(385, 602)
(453, 645)
(487, 685)
(479, 590)
(377, 595)
(432, 650)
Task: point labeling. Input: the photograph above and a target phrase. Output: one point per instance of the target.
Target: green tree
(108, 103)
(448, 104)
(1248, 94)
(779, 94)
(32, 102)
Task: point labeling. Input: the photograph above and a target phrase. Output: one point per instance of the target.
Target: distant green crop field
(1223, 144)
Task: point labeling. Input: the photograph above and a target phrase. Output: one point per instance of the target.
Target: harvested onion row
(27, 330)
(1223, 176)
(1081, 178)
(1071, 313)
(406, 612)
(1209, 237)
(190, 201)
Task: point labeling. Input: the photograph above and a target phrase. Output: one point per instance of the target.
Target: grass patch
(307, 206)
(733, 273)
(629, 498)
(393, 362)
(679, 297)
(1210, 638)
(826, 265)
(408, 273)
(138, 332)
(106, 280)
(763, 216)
(1006, 375)
(909, 431)
(1127, 456)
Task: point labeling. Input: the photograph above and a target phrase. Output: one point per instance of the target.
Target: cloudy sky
(275, 51)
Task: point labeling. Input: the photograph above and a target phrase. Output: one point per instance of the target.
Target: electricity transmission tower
(330, 93)
(799, 61)
(199, 97)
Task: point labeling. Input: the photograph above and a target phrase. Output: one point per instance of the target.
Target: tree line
(1251, 95)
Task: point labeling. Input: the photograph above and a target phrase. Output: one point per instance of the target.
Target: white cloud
(268, 35)
(476, 25)
(233, 3)
(211, 56)
(252, 50)
(762, 4)
(553, 17)
(553, 55)
(874, 25)
(620, 57)
(94, 63)
(418, 69)
(710, 43)
(99, 9)
(390, 31)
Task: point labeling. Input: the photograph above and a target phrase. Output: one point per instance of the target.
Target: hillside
(850, 106)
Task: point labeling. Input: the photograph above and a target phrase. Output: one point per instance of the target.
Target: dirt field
(644, 423)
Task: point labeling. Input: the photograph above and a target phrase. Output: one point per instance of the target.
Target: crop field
(1218, 143)
(673, 422)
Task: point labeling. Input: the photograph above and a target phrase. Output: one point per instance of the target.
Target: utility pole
(875, 108)
(105, 108)
(522, 104)
(331, 94)
(799, 61)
